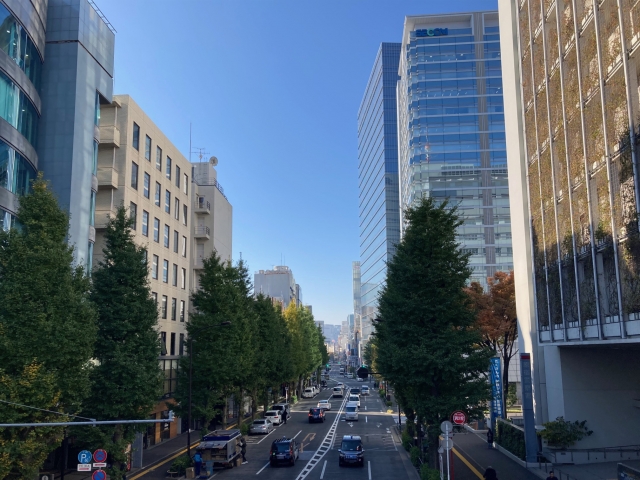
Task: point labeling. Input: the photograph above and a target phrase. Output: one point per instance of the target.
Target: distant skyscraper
(356, 321)
(451, 129)
(278, 284)
(378, 181)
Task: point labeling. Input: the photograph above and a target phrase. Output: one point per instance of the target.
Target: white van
(308, 393)
(337, 392)
(351, 412)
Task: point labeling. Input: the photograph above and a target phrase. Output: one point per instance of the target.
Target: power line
(43, 410)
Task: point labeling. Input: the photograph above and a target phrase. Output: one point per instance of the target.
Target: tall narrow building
(377, 180)
(451, 129)
(571, 107)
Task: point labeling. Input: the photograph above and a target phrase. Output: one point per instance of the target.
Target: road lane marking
(298, 433)
(323, 467)
(366, 419)
(369, 462)
(260, 471)
(466, 462)
(258, 443)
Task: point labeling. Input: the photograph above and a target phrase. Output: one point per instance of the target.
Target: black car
(284, 450)
(351, 451)
(316, 414)
(354, 391)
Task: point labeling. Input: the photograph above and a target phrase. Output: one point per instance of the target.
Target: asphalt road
(320, 442)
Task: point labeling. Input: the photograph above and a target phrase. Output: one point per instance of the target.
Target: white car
(351, 412)
(308, 393)
(360, 379)
(275, 416)
(340, 384)
(365, 390)
(354, 399)
(324, 404)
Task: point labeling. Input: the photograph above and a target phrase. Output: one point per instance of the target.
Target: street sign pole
(448, 453)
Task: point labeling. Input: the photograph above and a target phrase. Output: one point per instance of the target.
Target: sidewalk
(471, 450)
(589, 471)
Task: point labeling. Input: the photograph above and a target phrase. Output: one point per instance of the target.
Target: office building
(377, 183)
(571, 104)
(451, 130)
(211, 217)
(278, 284)
(22, 51)
(139, 167)
(320, 323)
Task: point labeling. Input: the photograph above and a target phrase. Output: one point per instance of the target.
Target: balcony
(107, 177)
(109, 136)
(202, 232)
(102, 217)
(198, 263)
(202, 206)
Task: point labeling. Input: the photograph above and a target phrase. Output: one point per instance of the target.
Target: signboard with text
(496, 388)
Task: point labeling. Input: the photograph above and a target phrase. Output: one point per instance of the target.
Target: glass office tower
(378, 180)
(451, 129)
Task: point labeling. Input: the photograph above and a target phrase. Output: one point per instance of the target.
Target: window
(175, 241)
(181, 346)
(177, 176)
(156, 230)
(147, 185)
(164, 306)
(133, 214)
(174, 308)
(134, 175)
(176, 208)
(145, 223)
(154, 295)
(185, 187)
(185, 211)
(89, 265)
(172, 350)
(158, 158)
(167, 201)
(146, 258)
(163, 343)
(92, 209)
(183, 279)
(165, 271)
(168, 168)
(154, 267)
(174, 280)
(95, 158)
(147, 147)
(184, 246)
(166, 236)
(136, 136)
(96, 111)
(182, 310)
(157, 194)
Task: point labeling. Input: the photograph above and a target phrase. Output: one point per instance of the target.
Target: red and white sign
(100, 456)
(99, 465)
(459, 417)
(84, 467)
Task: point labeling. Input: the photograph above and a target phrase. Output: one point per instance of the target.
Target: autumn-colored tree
(496, 319)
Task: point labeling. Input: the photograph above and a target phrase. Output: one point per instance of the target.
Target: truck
(220, 448)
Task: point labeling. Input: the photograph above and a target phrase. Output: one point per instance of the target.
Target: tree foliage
(47, 331)
(427, 346)
(126, 381)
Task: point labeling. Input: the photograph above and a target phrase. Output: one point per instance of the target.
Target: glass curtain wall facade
(378, 179)
(451, 129)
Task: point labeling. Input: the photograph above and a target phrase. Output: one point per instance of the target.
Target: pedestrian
(490, 474)
(284, 415)
(197, 463)
(551, 476)
(490, 437)
(243, 450)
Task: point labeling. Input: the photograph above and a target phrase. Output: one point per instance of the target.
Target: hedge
(510, 438)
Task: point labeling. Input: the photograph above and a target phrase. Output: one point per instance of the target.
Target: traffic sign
(99, 475)
(459, 417)
(446, 426)
(99, 465)
(100, 456)
(84, 467)
(84, 456)
(447, 443)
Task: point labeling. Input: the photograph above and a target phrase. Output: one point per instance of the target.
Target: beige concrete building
(139, 167)
(212, 217)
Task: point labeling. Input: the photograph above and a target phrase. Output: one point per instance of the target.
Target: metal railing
(102, 16)
(201, 204)
(202, 230)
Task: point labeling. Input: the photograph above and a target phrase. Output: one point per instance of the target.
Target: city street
(320, 443)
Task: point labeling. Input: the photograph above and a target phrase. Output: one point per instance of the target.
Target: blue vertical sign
(496, 390)
(530, 436)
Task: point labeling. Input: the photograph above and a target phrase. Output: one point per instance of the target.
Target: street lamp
(191, 339)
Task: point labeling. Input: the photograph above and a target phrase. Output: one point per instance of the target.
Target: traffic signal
(363, 372)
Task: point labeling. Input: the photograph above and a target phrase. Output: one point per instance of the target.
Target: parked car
(351, 412)
(365, 390)
(308, 393)
(284, 450)
(354, 399)
(351, 451)
(262, 425)
(324, 404)
(275, 416)
(282, 407)
(316, 415)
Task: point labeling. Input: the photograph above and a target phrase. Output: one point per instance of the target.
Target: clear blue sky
(272, 88)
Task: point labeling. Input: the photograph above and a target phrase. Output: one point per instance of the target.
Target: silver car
(262, 425)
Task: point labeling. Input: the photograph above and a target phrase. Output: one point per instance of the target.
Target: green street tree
(127, 380)
(427, 346)
(47, 331)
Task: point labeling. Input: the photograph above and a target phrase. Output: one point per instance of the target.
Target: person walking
(490, 438)
(284, 415)
(197, 463)
(243, 450)
(490, 474)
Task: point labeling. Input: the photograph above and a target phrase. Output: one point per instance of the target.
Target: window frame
(156, 230)
(145, 223)
(167, 201)
(133, 213)
(174, 273)
(165, 271)
(163, 307)
(147, 147)
(157, 197)
(168, 167)
(174, 309)
(135, 139)
(176, 240)
(146, 185)
(134, 175)
(166, 233)
(154, 267)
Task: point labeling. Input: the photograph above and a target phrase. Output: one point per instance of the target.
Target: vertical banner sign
(530, 437)
(496, 388)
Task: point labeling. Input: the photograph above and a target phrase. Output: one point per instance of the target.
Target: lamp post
(191, 339)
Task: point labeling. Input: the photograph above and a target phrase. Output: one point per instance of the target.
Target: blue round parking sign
(84, 456)
(99, 475)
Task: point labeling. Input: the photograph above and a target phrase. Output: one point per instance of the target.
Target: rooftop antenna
(200, 151)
